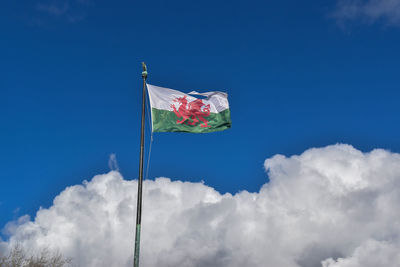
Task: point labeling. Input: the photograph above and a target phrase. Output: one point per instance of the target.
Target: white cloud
(330, 207)
(112, 162)
(71, 11)
(368, 11)
(370, 254)
(55, 8)
(12, 226)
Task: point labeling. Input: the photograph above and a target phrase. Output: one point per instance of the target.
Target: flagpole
(140, 182)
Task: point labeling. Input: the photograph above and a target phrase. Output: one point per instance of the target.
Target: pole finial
(144, 72)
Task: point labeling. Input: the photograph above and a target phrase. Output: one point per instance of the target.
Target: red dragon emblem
(192, 112)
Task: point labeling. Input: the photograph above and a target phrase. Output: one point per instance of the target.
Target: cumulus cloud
(332, 207)
(370, 254)
(368, 11)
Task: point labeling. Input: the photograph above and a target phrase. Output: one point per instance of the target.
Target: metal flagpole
(139, 194)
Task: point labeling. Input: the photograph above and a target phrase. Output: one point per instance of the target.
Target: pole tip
(144, 72)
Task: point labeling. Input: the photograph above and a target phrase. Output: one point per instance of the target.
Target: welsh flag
(174, 111)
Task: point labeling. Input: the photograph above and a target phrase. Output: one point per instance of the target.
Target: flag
(174, 111)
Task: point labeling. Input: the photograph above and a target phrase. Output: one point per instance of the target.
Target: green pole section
(140, 182)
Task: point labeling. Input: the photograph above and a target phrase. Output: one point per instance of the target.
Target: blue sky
(298, 74)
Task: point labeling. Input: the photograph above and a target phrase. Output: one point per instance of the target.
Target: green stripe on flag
(165, 121)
